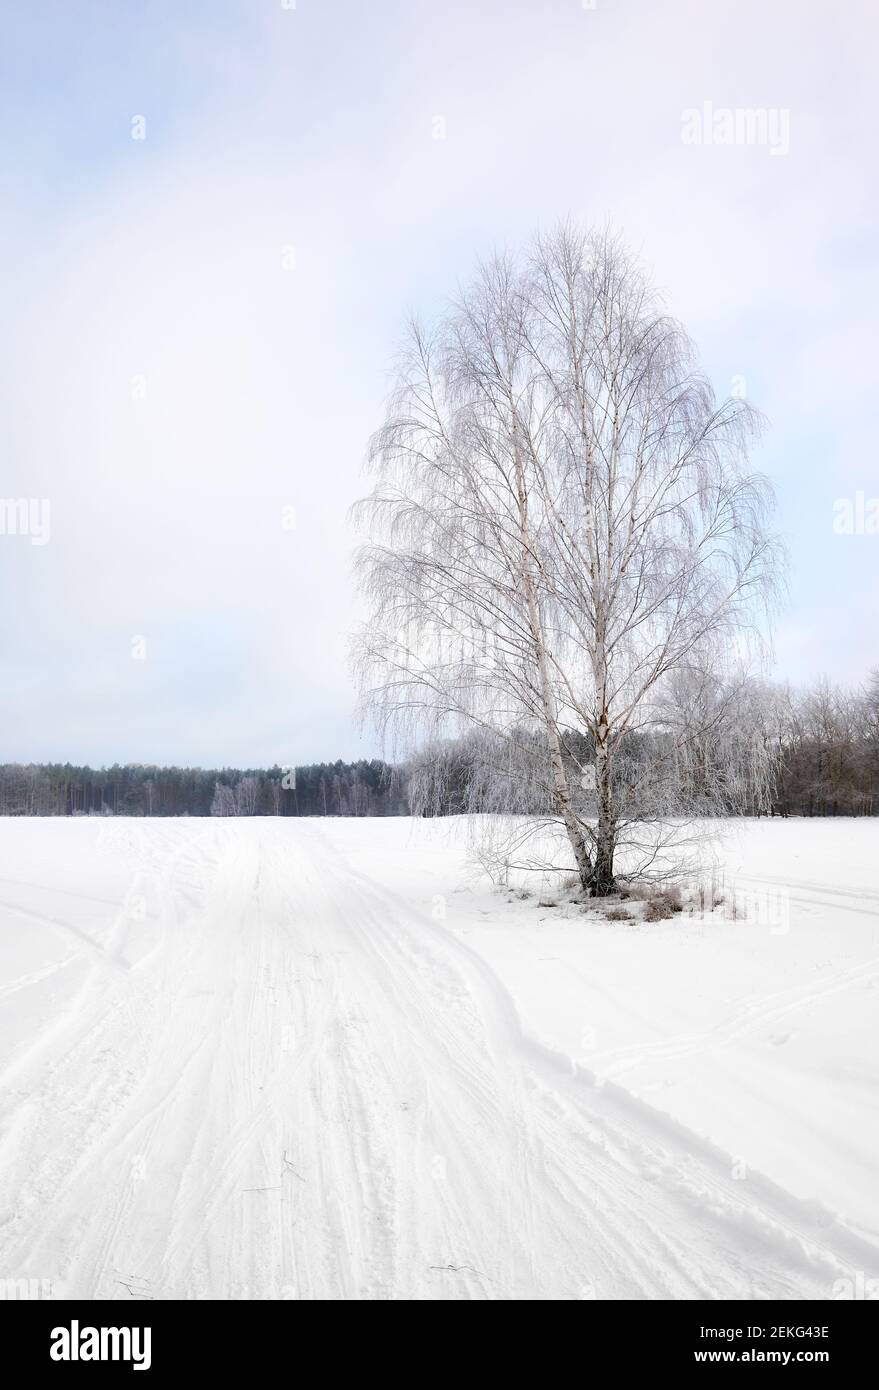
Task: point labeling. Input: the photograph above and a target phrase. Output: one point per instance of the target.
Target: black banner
(158, 1338)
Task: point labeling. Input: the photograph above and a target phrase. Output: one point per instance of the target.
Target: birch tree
(562, 517)
(223, 803)
(246, 794)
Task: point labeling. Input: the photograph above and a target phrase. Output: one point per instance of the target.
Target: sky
(215, 220)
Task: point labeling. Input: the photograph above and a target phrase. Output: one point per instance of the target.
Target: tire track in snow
(412, 1142)
(808, 1240)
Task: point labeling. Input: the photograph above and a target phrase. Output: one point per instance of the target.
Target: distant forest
(824, 747)
(320, 789)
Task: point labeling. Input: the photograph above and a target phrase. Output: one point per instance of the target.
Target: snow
(256, 1058)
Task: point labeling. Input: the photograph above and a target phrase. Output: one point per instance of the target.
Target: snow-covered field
(266, 1059)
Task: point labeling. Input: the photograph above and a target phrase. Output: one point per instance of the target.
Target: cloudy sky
(200, 323)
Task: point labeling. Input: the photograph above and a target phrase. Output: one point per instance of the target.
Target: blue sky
(200, 325)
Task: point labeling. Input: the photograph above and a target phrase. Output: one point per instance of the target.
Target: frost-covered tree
(224, 803)
(562, 518)
(871, 707)
(246, 795)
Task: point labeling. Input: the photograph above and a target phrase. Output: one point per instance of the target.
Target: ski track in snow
(299, 1086)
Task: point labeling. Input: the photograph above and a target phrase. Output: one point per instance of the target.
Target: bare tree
(561, 520)
(223, 803)
(871, 708)
(246, 796)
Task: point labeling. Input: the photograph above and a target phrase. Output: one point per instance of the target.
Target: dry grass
(619, 914)
(663, 905)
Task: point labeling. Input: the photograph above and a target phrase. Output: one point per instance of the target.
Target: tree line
(752, 748)
(829, 750)
(364, 788)
(820, 745)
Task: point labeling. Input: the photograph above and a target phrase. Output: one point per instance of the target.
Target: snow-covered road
(240, 1065)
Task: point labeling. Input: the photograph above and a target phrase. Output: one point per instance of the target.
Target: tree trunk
(585, 869)
(547, 697)
(602, 881)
